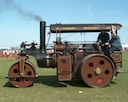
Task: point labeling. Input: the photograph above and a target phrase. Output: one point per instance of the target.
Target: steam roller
(80, 60)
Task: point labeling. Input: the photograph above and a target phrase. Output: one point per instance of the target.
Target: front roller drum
(24, 80)
(97, 70)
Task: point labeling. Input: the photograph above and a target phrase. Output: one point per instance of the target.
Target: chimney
(42, 36)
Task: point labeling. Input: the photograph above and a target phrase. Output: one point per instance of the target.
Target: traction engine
(83, 61)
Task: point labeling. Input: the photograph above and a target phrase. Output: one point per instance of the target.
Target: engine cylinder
(58, 47)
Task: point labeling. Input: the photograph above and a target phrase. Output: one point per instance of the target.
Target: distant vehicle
(73, 60)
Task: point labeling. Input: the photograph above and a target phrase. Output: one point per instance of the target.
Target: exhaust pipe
(42, 36)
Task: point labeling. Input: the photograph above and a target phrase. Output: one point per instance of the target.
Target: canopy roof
(66, 28)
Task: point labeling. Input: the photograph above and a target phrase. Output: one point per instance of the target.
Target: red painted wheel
(25, 80)
(97, 70)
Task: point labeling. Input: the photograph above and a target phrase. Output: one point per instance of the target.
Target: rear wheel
(97, 70)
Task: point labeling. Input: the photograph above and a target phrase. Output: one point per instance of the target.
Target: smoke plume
(11, 5)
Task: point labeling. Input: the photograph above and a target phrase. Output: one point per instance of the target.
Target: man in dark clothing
(104, 38)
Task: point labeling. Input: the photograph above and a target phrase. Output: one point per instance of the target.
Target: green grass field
(46, 88)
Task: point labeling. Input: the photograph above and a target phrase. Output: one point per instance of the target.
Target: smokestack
(42, 35)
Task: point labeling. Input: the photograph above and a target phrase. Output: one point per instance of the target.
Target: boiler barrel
(45, 61)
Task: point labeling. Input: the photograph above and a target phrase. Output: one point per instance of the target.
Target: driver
(102, 39)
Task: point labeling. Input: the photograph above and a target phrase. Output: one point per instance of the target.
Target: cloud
(112, 12)
(89, 10)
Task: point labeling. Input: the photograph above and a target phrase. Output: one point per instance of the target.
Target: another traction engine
(84, 61)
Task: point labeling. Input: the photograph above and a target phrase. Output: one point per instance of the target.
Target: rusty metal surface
(97, 70)
(24, 80)
(64, 68)
(22, 62)
(58, 47)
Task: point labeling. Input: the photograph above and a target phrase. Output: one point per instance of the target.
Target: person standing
(115, 44)
(115, 41)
